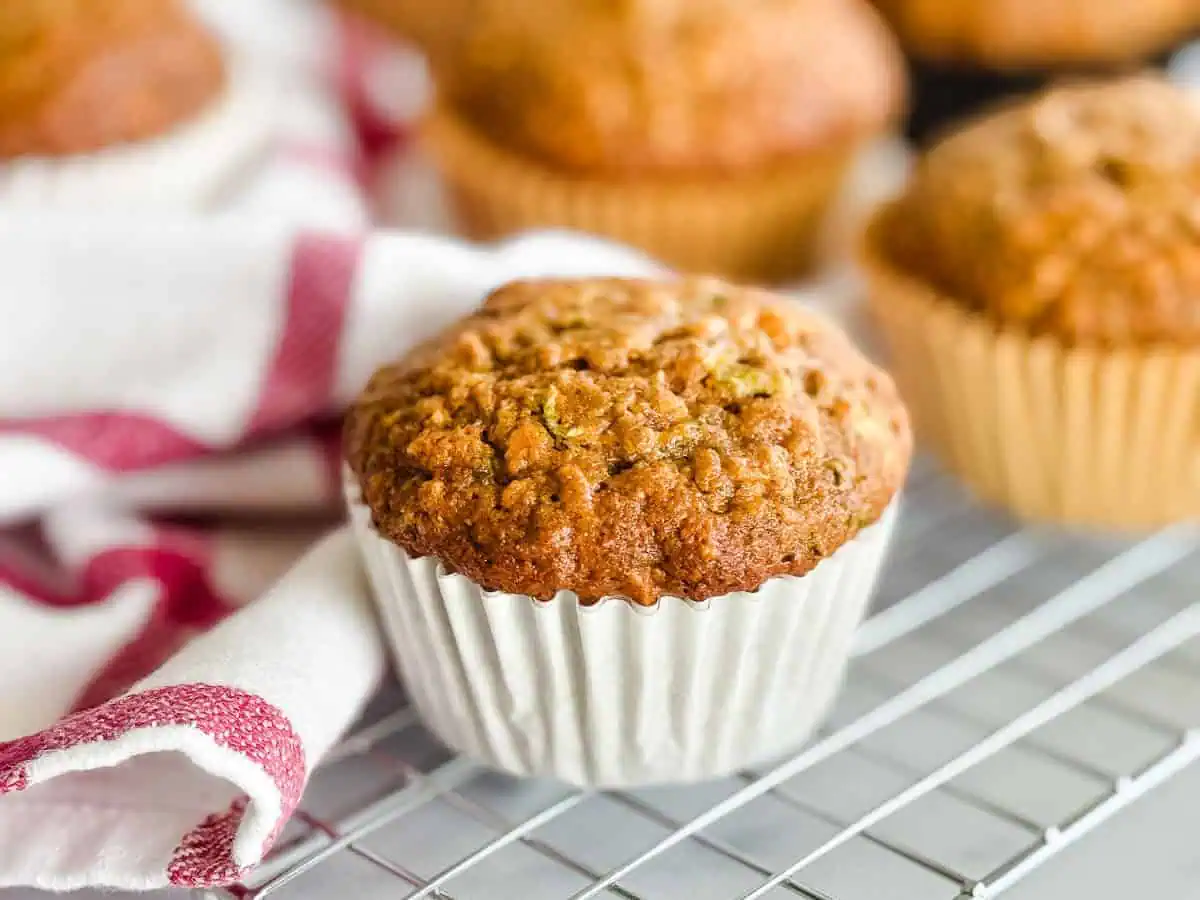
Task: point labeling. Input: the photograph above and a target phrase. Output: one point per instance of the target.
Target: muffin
(712, 134)
(579, 452)
(125, 100)
(1039, 284)
(965, 55)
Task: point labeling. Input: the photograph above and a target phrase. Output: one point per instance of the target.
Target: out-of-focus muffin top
(1076, 214)
(620, 86)
(1040, 33)
(80, 75)
(629, 438)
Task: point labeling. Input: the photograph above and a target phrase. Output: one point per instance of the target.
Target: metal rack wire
(1016, 691)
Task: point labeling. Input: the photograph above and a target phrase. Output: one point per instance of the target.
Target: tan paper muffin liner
(1088, 436)
(615, 694)
(763, 227)
(185, 169)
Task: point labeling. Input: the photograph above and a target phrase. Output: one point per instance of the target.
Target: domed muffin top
(1075, 214)
(1040, 33)
(80, 75)
(626, 86)
(629, 438)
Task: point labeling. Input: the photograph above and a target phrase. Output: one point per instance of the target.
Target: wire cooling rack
(1017, 691)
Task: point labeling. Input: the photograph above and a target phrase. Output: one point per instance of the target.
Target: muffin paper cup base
(615, 695)
(187, 168)
(1087, 436)
(763, 226)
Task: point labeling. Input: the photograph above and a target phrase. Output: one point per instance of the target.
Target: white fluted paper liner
(188, 168)
(614, 695)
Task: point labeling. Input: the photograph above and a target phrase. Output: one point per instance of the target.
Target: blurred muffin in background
(1039, 285)
(967, 53)
(128, 101)
(711, 133)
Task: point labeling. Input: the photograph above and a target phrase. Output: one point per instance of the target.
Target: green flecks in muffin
(749, 381)
(388, 419)
(837, 471)
(718, 359)
(550, 417)
(679, 441)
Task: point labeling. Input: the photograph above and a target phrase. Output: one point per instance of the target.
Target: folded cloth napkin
(98, 799)
(168, 449)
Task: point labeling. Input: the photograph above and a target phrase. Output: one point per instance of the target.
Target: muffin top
(622, 86)
(80, 75)
(1040, 33)
(629, 438)
(1076, 214)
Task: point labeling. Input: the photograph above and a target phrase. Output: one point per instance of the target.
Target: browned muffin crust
(80, 75)
(1076, 214)
(666, 85)
(629, 438)
(1040, 33)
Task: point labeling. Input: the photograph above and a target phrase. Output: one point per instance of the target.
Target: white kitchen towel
(189, 777)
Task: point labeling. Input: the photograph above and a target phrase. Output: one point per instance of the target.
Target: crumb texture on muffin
(673, 85)
(629, 438)
(77, 76)
(1075, 214)
(1040, 33)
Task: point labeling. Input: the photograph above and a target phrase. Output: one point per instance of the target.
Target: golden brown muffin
(633, 438)
(1040, 33)
(80, 75)
(1039, 287)
(668, 86)
(713, 134)
(1077, 214)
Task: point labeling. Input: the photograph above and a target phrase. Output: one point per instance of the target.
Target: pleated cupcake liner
(762, 227)
(613, 694)
(187, 168)
(1105, 438)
